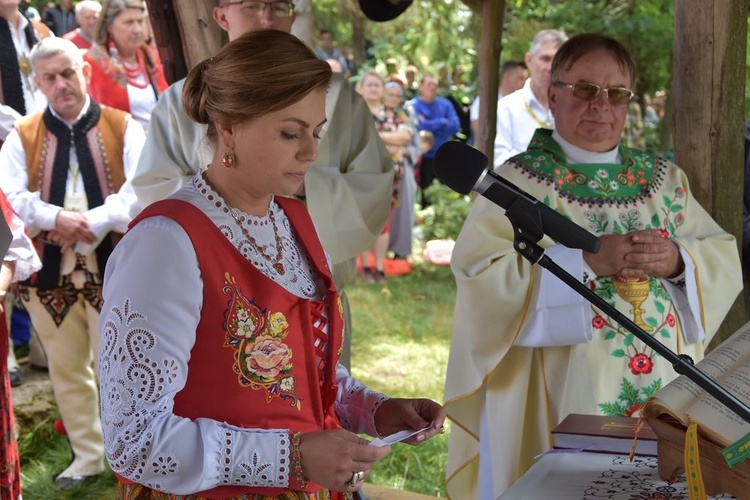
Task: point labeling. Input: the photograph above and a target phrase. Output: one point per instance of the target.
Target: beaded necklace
(276, 263)
(134, 72)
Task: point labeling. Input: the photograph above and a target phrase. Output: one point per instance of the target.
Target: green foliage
(418, 36)
(445, 217)
(645, 27)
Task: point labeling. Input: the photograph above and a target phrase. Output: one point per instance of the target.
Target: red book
(604, 435)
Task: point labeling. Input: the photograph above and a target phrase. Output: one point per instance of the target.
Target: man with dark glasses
(541, 352)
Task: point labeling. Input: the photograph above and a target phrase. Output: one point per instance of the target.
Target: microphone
(464, 169)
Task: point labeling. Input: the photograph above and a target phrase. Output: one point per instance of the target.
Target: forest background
(439, 36)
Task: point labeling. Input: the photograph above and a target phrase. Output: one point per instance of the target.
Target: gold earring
(229, 158)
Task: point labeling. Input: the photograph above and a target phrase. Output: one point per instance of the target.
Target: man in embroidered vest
(348, 189)
(62, 172)
(522, 112)
(526, 350)
(87, 12)
(19, 94)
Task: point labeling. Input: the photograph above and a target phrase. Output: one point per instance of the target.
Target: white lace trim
(137, 404)
(356, 404)
(299, 278)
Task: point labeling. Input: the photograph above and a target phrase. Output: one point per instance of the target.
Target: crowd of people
(174, 272)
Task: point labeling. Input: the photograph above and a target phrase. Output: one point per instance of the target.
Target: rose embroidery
(640, 364)
(598, 322)
(267, 357)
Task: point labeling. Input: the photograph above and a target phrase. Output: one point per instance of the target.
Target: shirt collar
(574, 154)
(84, 110)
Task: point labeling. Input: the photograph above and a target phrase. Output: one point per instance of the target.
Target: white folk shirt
(519, 114)
(38, 215)
(32, 96)
(160, 436)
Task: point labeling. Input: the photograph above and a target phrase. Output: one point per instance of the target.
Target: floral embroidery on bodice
(262, 360)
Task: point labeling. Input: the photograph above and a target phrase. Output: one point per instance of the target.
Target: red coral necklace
(134, 72)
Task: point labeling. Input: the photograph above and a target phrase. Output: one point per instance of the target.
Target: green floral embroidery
(630, 399)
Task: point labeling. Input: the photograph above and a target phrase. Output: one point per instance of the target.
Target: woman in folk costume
(20, 261)
(219, 356)
(527, 351)
(126, 69)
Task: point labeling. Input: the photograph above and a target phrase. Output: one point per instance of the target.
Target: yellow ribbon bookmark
(696, 490)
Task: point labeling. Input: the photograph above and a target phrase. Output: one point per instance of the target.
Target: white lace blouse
(153, 298)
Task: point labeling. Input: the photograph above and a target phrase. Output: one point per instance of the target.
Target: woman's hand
(399, 414)
(330, 458)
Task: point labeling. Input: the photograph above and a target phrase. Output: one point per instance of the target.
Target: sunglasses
(588, 91)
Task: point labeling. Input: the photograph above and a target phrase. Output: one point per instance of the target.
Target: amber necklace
(276, 263)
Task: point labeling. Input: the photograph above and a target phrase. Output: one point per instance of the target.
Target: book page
(717, 420)
(681, 393)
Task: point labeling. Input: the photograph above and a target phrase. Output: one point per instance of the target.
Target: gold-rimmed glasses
(256, 7)
(588, 91)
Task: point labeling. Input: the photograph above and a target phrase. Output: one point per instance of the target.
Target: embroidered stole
(11, 92)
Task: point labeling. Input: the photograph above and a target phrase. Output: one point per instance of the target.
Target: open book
(683, 399)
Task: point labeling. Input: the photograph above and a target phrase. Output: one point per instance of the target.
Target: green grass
(400, 347)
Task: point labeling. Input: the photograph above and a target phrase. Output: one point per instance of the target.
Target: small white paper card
(395, 438)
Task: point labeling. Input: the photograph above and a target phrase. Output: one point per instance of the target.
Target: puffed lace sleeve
(153, 298)
(356, 404)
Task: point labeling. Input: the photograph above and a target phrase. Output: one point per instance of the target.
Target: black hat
(383, 10)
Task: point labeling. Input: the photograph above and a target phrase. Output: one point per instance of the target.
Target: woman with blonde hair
(397, 132)
(126, 71)
(223, 327)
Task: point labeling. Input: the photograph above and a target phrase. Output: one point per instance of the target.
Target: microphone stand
(528, 230)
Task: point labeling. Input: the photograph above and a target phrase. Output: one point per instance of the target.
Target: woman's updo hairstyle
(256, 74)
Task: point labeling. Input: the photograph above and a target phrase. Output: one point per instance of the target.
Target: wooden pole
(489, 60)
(201, 36)
(709, 106)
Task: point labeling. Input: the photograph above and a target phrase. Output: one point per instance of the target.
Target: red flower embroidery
(664, 233)
(633, 409)
(598, 322)
(670, 320)
(640, 364)
(679, 192)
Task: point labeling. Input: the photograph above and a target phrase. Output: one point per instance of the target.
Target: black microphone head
(459, 166)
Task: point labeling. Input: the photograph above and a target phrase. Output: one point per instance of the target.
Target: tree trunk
(490, 47)
(201, 36)
(709, 90)
(166, 30)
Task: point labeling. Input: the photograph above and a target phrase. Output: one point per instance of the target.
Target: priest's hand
(654, 254)
(332, 457)
(637, 255)
(70, 228)
(398, 414)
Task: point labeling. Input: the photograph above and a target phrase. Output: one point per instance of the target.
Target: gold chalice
(634, 291)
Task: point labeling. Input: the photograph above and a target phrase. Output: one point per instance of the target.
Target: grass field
(400, 347)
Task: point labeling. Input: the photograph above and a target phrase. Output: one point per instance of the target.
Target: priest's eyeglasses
(587, 91)
(256, 7)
